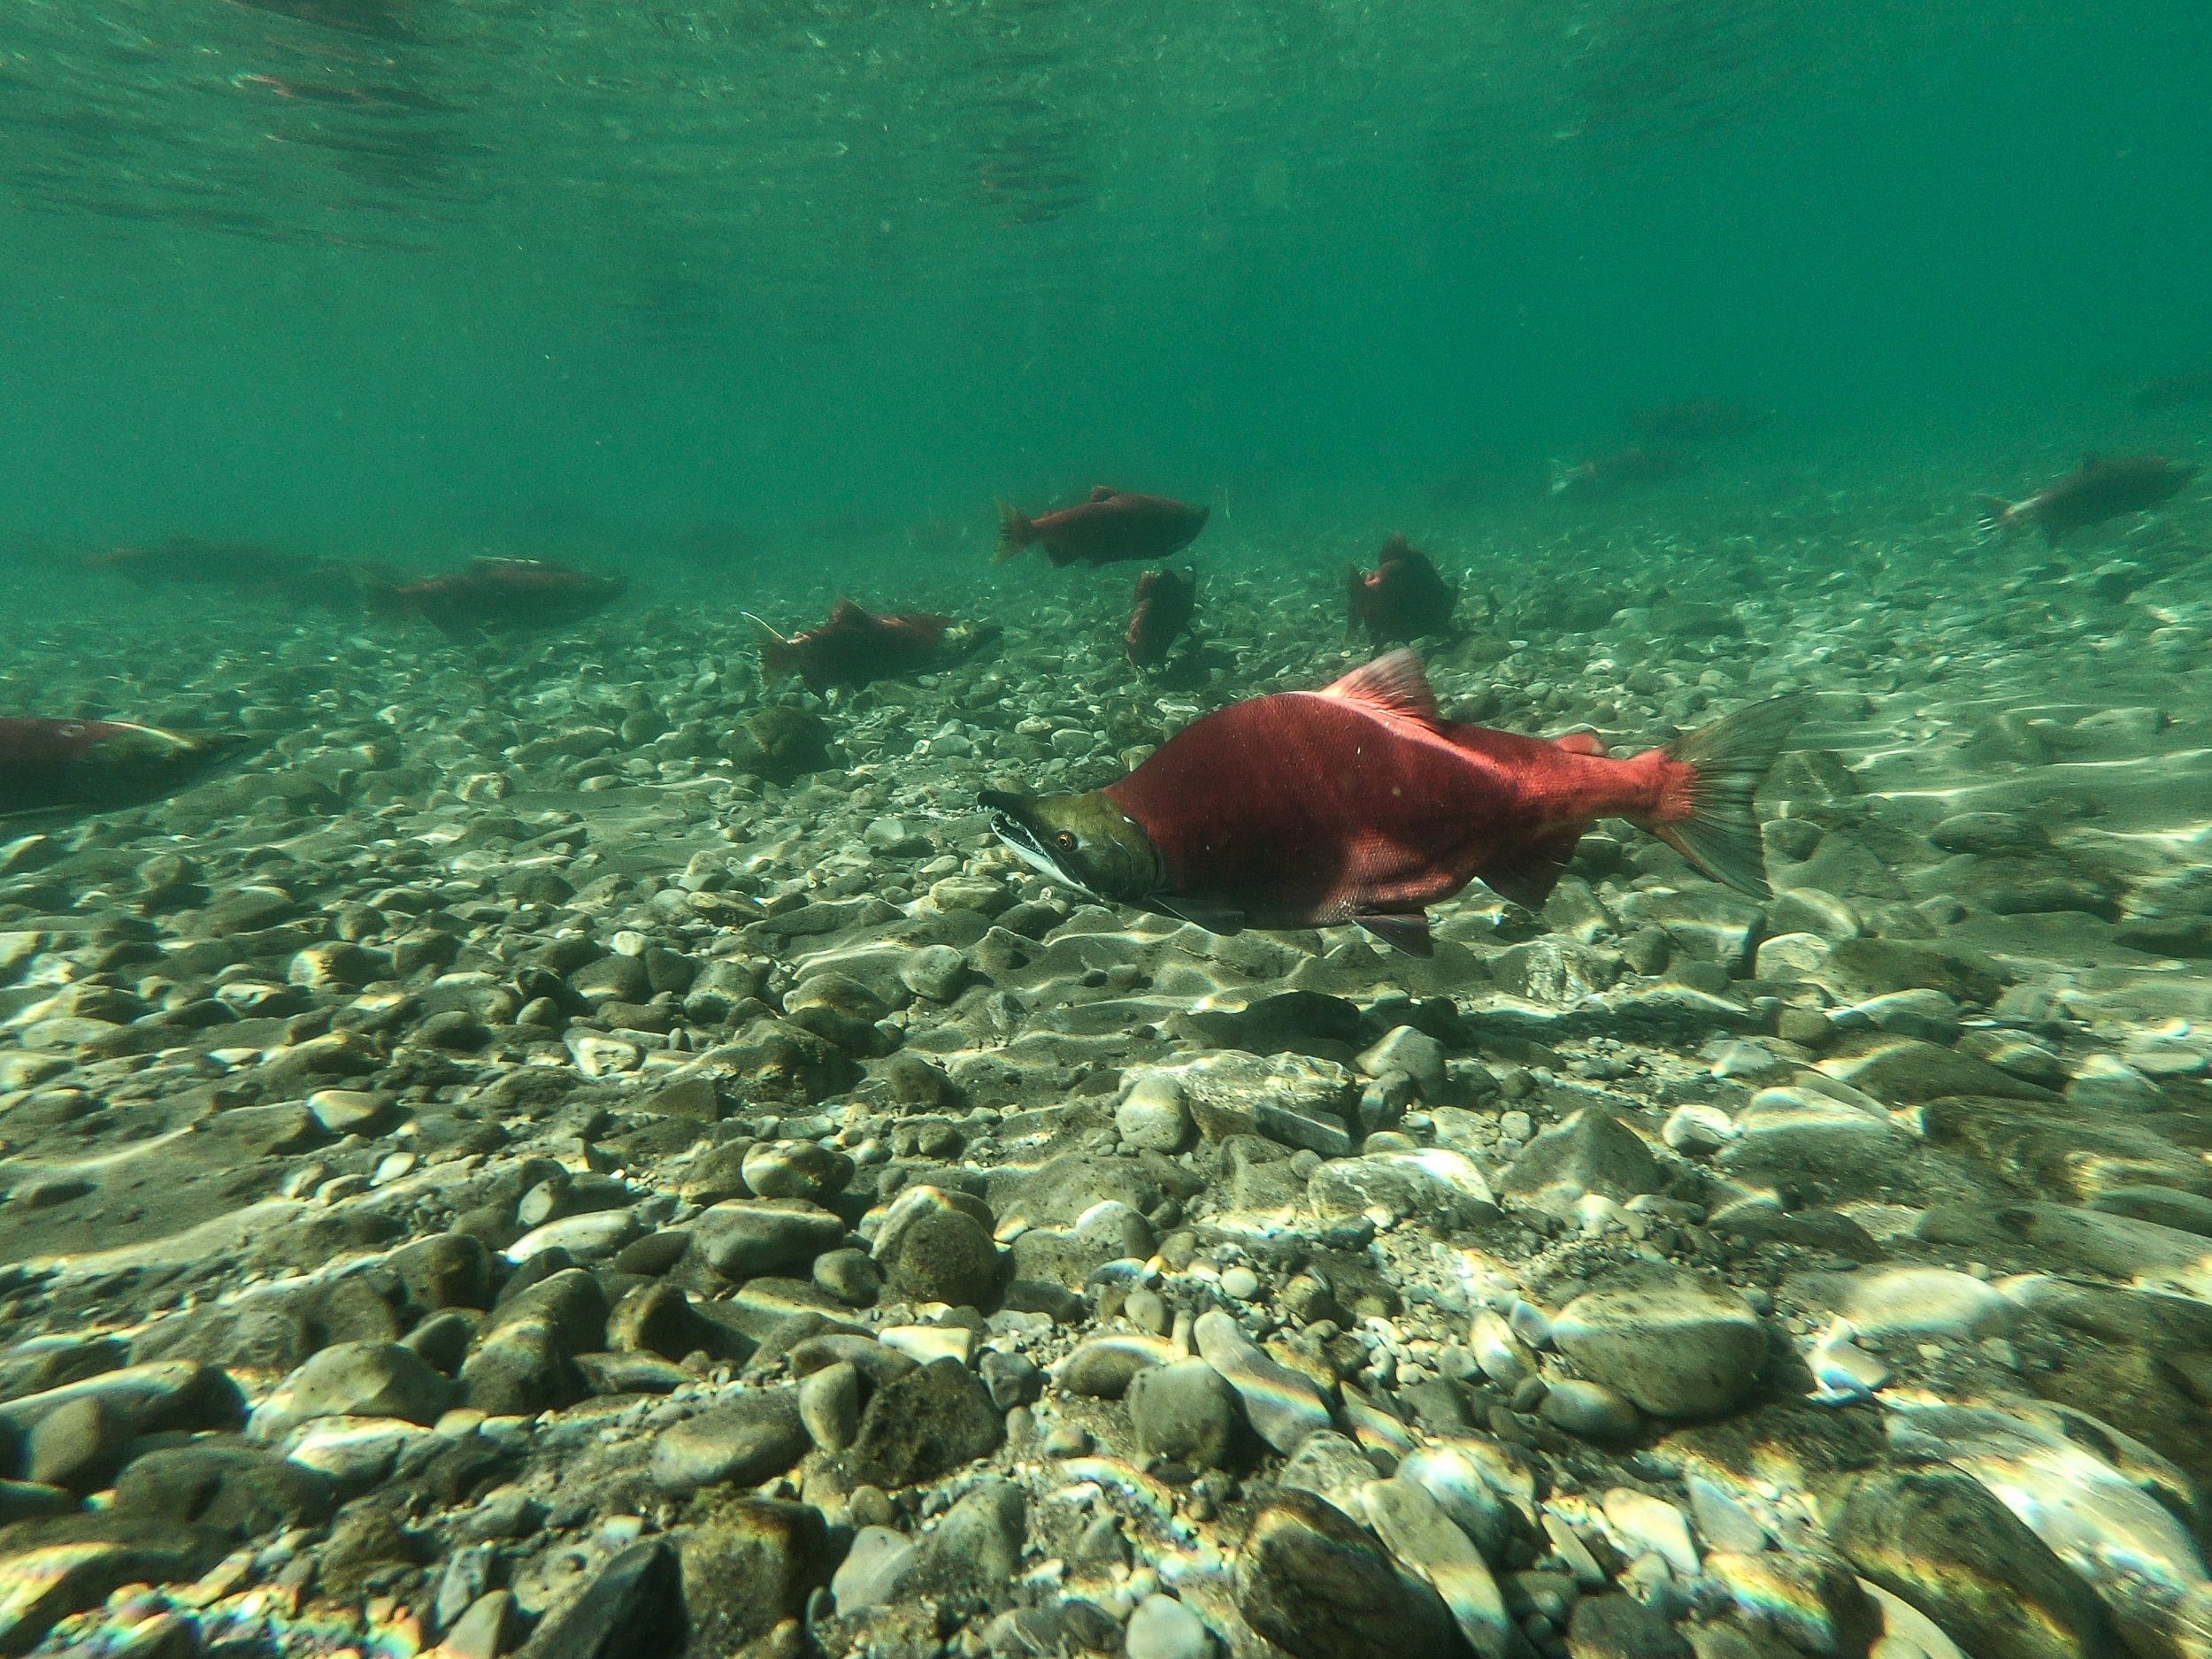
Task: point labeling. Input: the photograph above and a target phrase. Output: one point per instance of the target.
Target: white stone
(1152, 1116)
(1923, 1301)
(1792, 956)
(928, 1342)
(596, 1234)
(1641, 1522)
(1163, 1628)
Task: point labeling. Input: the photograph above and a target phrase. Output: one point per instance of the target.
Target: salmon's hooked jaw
(1083, 841)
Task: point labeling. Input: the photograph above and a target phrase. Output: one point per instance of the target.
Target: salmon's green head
(1083, 840)
(132, 765)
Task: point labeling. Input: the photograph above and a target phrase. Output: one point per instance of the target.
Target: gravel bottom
(562, 1151)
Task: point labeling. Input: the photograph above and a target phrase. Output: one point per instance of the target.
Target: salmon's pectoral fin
(1215, 918)
(1527, 874)
(1406, 933)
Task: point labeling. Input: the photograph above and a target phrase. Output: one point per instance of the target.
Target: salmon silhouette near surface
(1361, 804)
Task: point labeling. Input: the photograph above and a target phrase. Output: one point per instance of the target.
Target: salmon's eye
(1065, 840)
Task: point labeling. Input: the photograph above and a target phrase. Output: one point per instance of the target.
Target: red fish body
(504, 593)
(855, 647)
(1360, 804)
(1110, 527)
(2101, 488)
(90, 765)
(1166, 600)
(1402, 598)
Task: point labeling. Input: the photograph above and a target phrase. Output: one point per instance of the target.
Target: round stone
(1318, 1586)
(1152, 1116)
(796, 1169)
(1163, 1628)
(1185, 1412)
(1674, 1344)
(1590, 1410)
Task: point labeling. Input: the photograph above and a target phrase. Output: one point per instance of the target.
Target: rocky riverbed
(561, 1153)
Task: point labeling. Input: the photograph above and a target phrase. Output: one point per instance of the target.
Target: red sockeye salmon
(1361, 804)
(1112, 525)
(49, 765)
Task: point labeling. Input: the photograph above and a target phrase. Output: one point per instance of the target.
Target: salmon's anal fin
(1215, 918)
(1705, 811)
(1408, 935)
(1527, 874)
(1393, 683)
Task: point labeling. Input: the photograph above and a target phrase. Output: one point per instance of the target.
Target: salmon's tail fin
(779, 656)
(1996, 518)
(1711, 776)
(1014, 531)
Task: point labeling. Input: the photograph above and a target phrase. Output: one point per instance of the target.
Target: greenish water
(387, 275)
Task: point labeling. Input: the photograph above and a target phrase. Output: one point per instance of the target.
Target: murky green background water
(374, 274)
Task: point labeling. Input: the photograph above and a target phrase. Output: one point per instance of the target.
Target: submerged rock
(1318, 1586)
(1675, 1344)
(1937, 1539)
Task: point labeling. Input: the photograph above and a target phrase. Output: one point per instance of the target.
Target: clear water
(761, 301)
(383, 275)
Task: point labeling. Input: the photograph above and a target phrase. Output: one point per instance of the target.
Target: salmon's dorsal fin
(845, 613)
(1103, 492)
(1580, 743)
(1393, 682)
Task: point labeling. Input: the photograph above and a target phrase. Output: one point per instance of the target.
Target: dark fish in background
(1360, 803)
(1700, 420)
(49, 765)
(1110, 527)
(1166, 600)
(1602, 477)
(2176, 391)
(1402, 598)
(855, 647)
(186, 560)
(2102, 488)
(494, 594)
